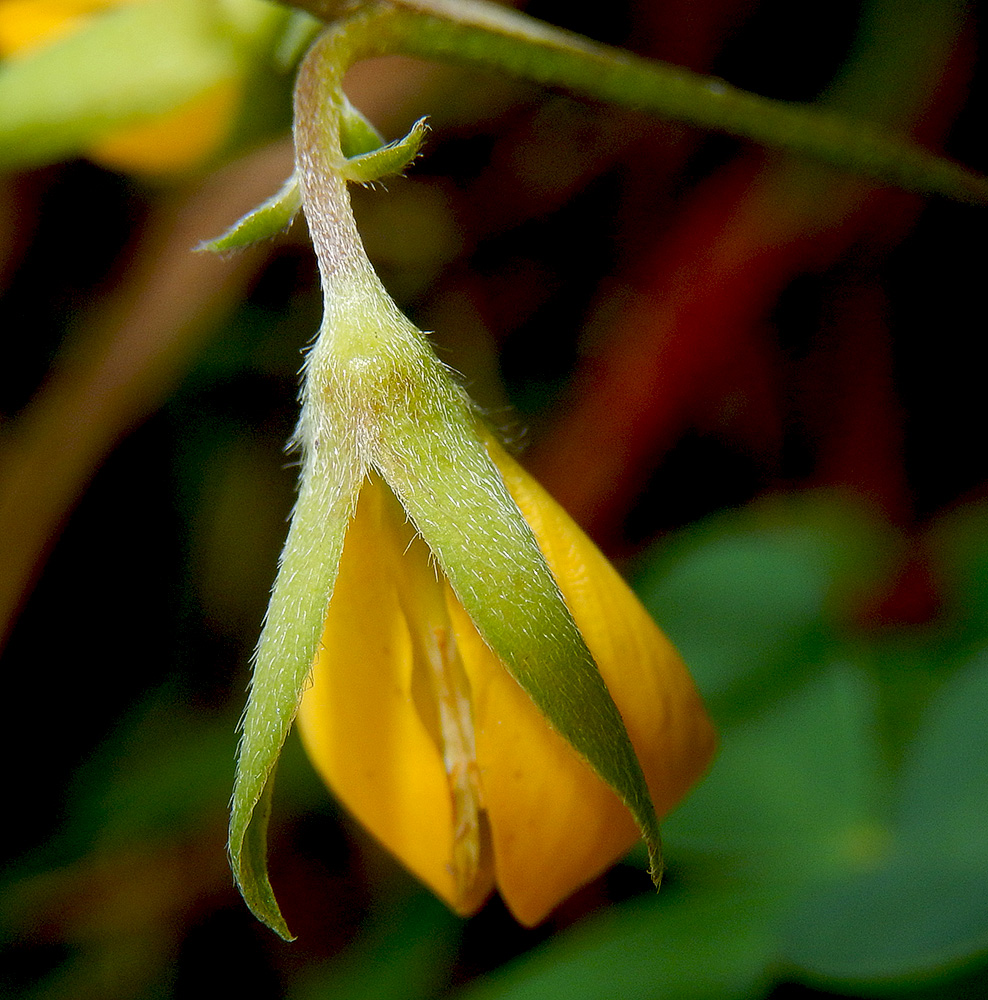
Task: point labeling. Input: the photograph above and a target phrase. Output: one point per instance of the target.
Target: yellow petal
(554, 824)
(30, 24)
(172, 142)
(175, 141)
(662, 710)
(359, 720)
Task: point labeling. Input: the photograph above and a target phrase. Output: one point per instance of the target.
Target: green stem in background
(487, 36)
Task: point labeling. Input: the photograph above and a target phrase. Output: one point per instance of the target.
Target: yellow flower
(419, 729)
(470, 675)
(175, 141)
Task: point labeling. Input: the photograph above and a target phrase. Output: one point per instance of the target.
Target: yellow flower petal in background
(175, 141)
(29, 24)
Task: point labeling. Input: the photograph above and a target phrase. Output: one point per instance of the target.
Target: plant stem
(483, 35)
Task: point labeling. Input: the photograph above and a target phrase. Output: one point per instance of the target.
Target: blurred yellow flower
(178, 140)
(420, 730)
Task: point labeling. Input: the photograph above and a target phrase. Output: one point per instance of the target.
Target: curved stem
(487, 36)
(319, 158)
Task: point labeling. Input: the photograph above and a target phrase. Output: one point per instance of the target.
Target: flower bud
(472, 678)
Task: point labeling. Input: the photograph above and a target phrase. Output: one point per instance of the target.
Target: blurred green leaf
(945, 783)
(958, 547)
(749, 595)
(712, 944)
(915, 918)
(418, 938)
(795, 796)
(165, 770)
(924, 911)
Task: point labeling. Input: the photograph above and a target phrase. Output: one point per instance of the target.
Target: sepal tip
(269, 219)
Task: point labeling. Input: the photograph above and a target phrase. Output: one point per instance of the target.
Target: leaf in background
(924, 912)
(794, 797)
(958, 545)
(418, 936)
(749, 596)
(708, 944)
(945, 781)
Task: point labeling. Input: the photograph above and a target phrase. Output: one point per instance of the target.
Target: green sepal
(250, 869)
(385, 161)
(269, 218)
(285, 652)
(434, 459)
(357, 133)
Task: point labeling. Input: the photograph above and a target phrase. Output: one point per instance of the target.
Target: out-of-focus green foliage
(419, 937)
(707, 943)
(764, 586)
